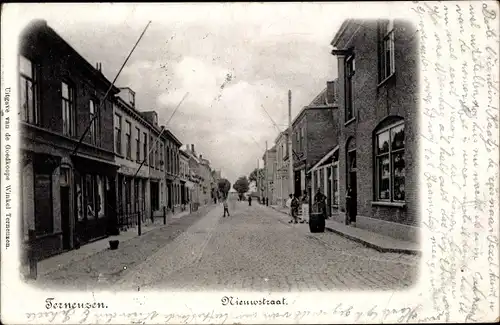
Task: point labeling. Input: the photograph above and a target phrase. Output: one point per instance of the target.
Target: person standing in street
(295, 208)
(289, 207)
(226, 208)
(305, 207)
(320, 199)
(250, 200)
(350, 207)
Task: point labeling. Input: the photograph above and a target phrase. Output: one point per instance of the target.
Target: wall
(373, 102)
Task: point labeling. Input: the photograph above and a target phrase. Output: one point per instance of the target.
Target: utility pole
(290, 149)
(258, 179)
(266, 175)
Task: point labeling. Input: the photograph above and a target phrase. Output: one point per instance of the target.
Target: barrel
(316, 222)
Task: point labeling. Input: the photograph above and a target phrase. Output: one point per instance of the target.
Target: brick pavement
(253, 250)
(256, 250)
(105, 267)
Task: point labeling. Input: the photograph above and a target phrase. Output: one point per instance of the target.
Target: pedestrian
(320, 200)
(226, 208)
(289, 206)
(350, 206)
(305, 207)
(250, 200)
(295, 208)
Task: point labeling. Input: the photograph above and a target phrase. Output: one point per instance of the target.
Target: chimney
(192, 148)
(331, 91)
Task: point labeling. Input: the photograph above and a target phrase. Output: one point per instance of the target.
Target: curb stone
(367, 243)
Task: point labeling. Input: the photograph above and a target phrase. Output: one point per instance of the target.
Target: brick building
(313, 135)
(269, 175)
(378, 78)
(186, 184)
(68, 198)
(281, 175)
(324, 174)
(194, 176)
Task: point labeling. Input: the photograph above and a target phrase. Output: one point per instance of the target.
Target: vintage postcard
(250, 163)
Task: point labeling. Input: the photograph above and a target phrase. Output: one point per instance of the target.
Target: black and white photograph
(267, 155)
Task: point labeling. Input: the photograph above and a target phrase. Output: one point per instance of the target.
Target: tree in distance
(241, 186)
(224, 186)
(253, 175)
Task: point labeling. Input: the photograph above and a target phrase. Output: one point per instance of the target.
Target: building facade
(206, 181)
(281, 177)
(378, 156)
(186, 184)
(270, 166)
(313, 135)
(132, 134)
(172, 172)
(67, 187)
(194, 177)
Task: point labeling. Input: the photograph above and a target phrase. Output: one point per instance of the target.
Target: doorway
(352, 183)
(65, 217)
(329, 191)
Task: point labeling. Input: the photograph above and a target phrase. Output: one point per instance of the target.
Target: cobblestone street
(253, 249)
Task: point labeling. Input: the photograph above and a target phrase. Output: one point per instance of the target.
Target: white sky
(267, 48)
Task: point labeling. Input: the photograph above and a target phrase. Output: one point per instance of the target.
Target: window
(146, 150)
(169, 161)
(335, 183)
(386, 50)
(68, 109)
(94, 122)
(44, 217)
(349, 73)
(157, 157)
(118, 134)
(302, 143)
(128, 144)
(161, 156)
(29, 91)
(137, 144)
(390, 164)
(151, 157)
(79, 197)
(100, 204)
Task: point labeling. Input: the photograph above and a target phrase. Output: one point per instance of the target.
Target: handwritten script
(375, 313)
(459, 127)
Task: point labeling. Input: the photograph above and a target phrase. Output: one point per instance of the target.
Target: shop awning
(324, 159)
(93, 164)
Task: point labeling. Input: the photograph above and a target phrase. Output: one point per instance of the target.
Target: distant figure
(295, 208)
(305, 207)
(320, 200)
(350, 206)
(249, 200)
(289, 206)
(226, 208)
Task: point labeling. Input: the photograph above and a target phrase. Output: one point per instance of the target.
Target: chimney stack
(331, 91)
(192, 147)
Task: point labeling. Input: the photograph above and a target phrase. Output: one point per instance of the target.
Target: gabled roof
(320, 99)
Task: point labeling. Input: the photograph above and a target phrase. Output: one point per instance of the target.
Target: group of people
(293, 204)
(295, 201)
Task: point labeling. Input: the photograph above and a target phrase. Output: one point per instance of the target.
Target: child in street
(226, 208)
(289, 206)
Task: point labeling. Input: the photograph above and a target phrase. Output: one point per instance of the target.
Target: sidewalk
(59, 261)
(368, 238)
